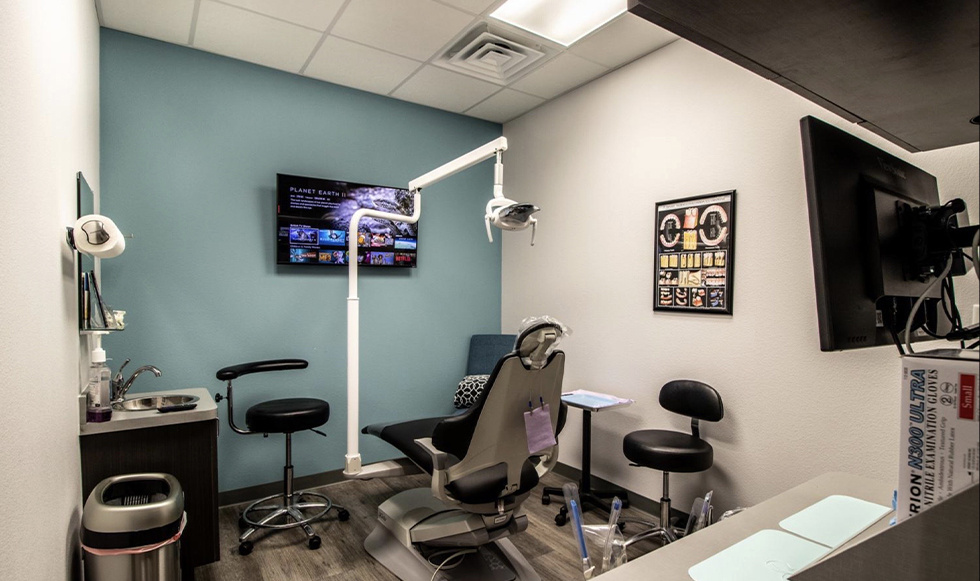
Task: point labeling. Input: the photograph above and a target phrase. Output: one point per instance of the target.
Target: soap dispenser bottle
(99, 407)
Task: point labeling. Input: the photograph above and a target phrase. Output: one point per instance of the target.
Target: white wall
(49, 129)
(682, 122)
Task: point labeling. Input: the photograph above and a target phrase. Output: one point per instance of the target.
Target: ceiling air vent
(491, 57)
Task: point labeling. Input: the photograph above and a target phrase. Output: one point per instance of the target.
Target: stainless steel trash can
(131, 528)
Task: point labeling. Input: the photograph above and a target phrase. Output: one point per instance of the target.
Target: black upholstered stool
(670, 451)
(280, 416)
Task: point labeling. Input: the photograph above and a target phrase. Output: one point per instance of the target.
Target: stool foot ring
(286, 514)
(291, 508)
(666, 536)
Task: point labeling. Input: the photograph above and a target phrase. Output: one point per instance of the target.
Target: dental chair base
(417, 532)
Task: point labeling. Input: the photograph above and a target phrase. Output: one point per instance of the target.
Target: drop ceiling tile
(624, 40)
(565, 71)
(442, 89)
(166, 20)
(362, 67)
(316, 14)
(252, 37)
(413, 28)
(474, 6)
(504, 106)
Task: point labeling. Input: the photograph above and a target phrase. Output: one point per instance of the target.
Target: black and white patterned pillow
(469, 390)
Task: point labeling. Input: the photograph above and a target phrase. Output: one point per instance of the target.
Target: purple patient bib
(540, 436)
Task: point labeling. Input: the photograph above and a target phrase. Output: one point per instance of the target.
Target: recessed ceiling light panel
(562, 21)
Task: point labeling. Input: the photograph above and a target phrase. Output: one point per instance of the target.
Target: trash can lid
(134, 502)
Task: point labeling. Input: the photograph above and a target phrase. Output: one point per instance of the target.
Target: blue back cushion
(486, 350)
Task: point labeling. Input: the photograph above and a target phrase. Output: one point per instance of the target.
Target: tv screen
(313, 216)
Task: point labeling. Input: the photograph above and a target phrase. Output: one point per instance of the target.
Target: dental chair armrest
(440, 459)
(440, 477)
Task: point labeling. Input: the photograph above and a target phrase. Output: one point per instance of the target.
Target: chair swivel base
(289, 510)
(666, 535)
(663, 530)
(598, 499)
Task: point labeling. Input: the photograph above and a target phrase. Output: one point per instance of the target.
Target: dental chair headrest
(537, 340)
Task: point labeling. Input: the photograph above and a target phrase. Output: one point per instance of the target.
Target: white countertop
(121, 420)
(671, 563)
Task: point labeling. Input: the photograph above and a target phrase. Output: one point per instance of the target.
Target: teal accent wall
(191, 144)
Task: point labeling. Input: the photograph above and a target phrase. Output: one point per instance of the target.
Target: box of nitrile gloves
(940, 434)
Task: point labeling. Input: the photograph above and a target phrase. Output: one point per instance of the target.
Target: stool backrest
(693, 399)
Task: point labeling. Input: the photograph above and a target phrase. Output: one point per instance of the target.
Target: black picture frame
(677, 243)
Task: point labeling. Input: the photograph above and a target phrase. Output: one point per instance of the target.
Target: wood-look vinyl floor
(284, 556)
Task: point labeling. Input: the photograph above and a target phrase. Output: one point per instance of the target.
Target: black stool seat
(285, 416)
(668, 451)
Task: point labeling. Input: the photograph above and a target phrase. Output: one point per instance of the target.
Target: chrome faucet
(120, 386)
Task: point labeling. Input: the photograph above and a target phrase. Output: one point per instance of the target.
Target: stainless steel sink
(161, 403)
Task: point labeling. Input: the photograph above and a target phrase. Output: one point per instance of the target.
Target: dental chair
(481, 472)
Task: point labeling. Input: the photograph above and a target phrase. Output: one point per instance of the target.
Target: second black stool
(670, 451)
(280, 416)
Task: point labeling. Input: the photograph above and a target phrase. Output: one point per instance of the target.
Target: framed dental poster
(695, 254)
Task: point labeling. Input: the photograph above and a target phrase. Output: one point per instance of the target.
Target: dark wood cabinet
(908, 71)
(189, 452)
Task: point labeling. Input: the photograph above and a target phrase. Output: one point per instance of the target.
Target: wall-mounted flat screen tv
(313, 216)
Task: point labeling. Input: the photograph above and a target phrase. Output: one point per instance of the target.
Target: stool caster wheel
(314, 543)
(545, 499)
(242, 525)
(343, 515)
(561, 518)
(245, 548)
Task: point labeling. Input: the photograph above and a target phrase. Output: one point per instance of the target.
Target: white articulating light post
(495, 148)
(352, 466)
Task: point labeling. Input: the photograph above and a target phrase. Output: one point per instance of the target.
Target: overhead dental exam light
(500, 212)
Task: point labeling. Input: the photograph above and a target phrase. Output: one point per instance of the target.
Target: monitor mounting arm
(932, 238)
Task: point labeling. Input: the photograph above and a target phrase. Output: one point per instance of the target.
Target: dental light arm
(466, 161)
(500, 212)
(495, 148)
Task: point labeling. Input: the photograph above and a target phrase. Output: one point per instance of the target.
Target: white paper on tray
(768, 555)
(592, 399)
(834, 520)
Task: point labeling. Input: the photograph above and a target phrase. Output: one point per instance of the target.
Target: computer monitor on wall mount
(879, 236)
